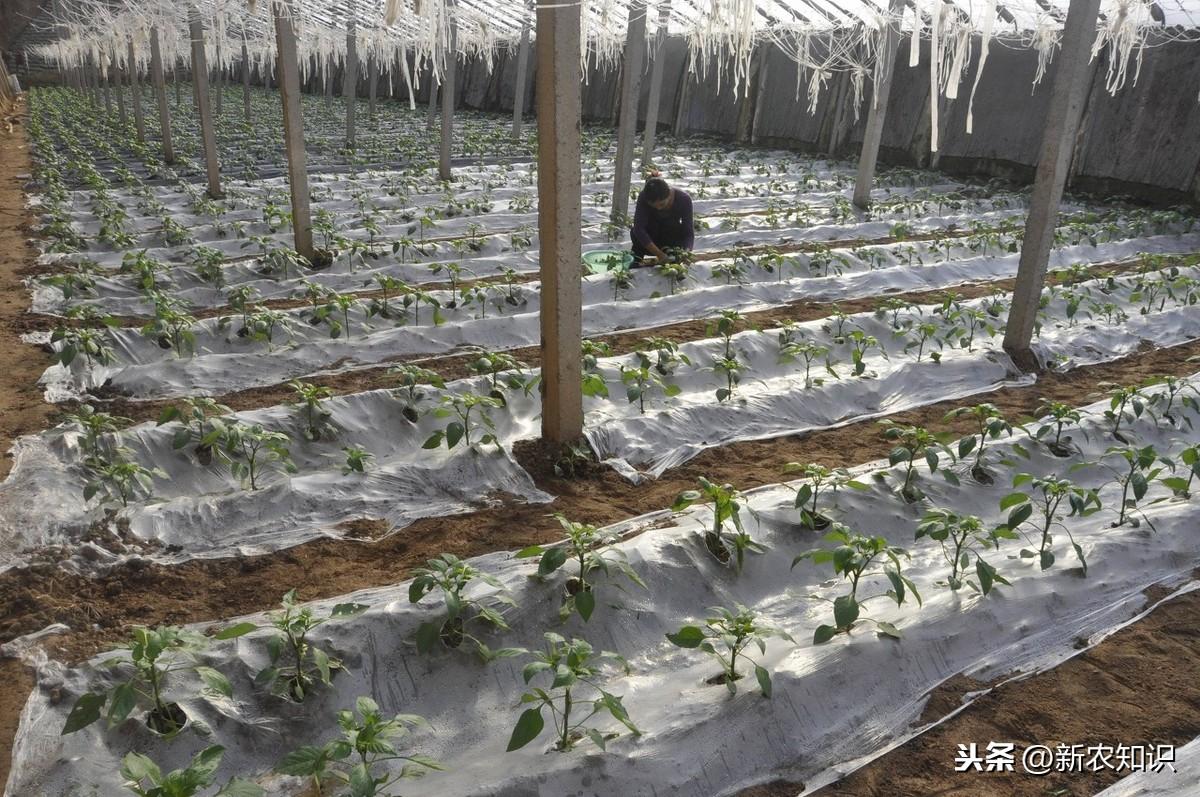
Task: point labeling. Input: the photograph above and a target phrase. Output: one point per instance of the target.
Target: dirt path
(1139, 686)
(22, 410)
(456, 365)
(103, 608)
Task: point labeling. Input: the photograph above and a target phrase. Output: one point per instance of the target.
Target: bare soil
(22, 410)
(1139, 686)
(457, 365)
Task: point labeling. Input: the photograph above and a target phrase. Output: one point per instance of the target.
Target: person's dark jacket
(665, 228)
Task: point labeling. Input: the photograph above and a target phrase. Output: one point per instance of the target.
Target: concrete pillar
(760, 97)
(877, 113)
(559, 104)
(631, 88)
(433, 105)
(350, 80)
(328, 70)
(656, 74)
(208, 133)
(293, 125)
(135, 89)
(114, 77)
(219, 94)
(160, 89)
(372, 84)
(245, 82)
(685, 97)
(448, 97)
(519, 86)
(1058, 140)
(104, 76)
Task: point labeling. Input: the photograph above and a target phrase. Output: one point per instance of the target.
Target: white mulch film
(835, 706)
(201, 511)
(1180, 779)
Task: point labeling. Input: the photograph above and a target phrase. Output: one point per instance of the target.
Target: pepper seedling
(152, 656)
(961, 537)
(1038, 507)
(1060, 416)
(576, 667)
(990, 424)
(463, 405)
(819, 479)
(307, 664)
(726, 508)
(312, 399)
(198, 421)
(368, 740)
(735, 630)
(914, 443)
(588, 547)
(854, 558)
(137, 769)
(1135, 475)
(409, 378)
(1190, 459)
(452, 576)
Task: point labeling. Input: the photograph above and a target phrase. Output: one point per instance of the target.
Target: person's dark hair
(656, 189)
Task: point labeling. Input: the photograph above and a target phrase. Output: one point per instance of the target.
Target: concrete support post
(559, 105)
(448, 97)
(95, 81)
(877, 113)
(219, 93)
(208, 133)
(104, 75)
(245, 82)
(350, 80)
(114, 77)
(760, 91)
(656, 74)
(160, 89)
(293, 126)
(328, 75)
(519, 86)
(631, 88)
(372, 84)
(1058, 144)
(135, 89)
(433, 105)
(685, 97)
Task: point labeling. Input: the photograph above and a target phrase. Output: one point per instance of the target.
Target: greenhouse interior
(510, 398)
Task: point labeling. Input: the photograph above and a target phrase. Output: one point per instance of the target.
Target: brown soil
(103, 608)
(22, 410)
(456, 366)
(18, 681)
(40, 321)
(1139, 686)
(146, 593)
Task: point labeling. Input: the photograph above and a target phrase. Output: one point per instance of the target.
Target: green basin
(607, 260)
